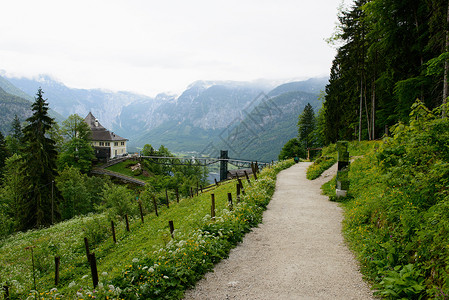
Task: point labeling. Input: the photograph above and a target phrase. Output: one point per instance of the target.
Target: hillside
(201, 118)
(11, 105)
(146, 255)
(262, 133)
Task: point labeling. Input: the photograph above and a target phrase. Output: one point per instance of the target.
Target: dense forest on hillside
(390, 53)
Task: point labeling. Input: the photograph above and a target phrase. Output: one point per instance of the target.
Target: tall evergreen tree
(13, 140)
(39, 205)
(3, 153)
(306, 127)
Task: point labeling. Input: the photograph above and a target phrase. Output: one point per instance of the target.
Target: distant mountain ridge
(201, 116)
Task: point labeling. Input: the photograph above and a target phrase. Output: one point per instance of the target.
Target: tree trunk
(360, 109)
(373, 109)
(446, 69)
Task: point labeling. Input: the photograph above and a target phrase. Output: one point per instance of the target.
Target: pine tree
(3, 153)
(39, 153)
(306, 126)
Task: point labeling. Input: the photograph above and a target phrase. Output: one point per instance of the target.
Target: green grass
(124, 168)
(148, 242)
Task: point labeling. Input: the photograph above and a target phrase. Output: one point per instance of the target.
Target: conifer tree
(306, 126)
(39, 204)
(3, 153)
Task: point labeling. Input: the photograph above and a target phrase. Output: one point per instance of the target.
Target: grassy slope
(66, 240)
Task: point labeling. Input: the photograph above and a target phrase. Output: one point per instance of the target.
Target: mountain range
(207, 117)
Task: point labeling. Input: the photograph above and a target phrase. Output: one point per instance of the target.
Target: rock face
(206, 113)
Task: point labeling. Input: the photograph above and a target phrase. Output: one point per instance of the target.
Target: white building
(107, 144)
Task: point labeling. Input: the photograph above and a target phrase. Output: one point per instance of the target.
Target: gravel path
(296, 253)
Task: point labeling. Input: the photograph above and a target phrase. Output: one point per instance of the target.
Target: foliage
(119, 200)
(76, 150)
(145, 263)
(306, 127)
(391, 53)
(3, 153)
(397, 221)
(292, 149)
(79, 192)
(39, 156)
(320, 165)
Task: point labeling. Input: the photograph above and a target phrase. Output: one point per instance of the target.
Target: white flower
(144, 268)
(72, 284)
(85, 276)
(111, 287)
(151, 270)
(165, 277)
(104, 274)
(135, 260)
(79, 294)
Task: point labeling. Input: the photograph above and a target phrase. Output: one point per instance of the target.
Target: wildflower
(135, 260)
(165, 277)
(72, 284)
(104, 274)
(85, 276)
(151, 270)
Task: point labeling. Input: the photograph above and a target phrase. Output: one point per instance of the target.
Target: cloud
(153, 46)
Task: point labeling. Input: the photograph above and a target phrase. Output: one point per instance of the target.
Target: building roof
(99, 133)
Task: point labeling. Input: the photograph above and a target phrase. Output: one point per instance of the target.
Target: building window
(108, 144)
(101, 144)
(115, 143)
(123, 143)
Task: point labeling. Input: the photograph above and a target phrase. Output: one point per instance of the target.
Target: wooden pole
(57, 262)
(247, 178)
(177, 194)
(191, 192)
(241, 186)
(93, 269)
(6, 289)
(238, 192)
(230, 201)
(86, 245)
(212, 208)
(155, 206)
(127, 222)
(141, 211)
(172, 228)
(113, 232)
(216, 182)
(166, 198)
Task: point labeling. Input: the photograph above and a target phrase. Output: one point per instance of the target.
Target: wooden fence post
(191, 192)
(241, 186)
(238, 192)
(212, 207)
(6, 289)
(127, 222)
(141, 211)
(230, 201)
(57, 262)
(177, 195)
(216, 182)
(113, 231)
(155, 206)
(86, 245)
(166, 198)
(93, 269)
(247, 178)
(172, 228)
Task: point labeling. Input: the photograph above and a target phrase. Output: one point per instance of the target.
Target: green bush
(398, 219)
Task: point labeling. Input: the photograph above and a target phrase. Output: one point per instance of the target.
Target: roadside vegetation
(146, 262)
(397, 211)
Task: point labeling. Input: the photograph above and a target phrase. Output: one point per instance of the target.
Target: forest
(45, 175)
(389, 53)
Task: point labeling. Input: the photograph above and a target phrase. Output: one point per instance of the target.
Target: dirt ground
(298, 251)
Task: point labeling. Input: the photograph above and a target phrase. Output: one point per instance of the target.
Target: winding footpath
(298, 251)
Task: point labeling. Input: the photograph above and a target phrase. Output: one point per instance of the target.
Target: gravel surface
(298, 251)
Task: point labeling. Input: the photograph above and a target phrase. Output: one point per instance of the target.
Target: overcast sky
(149, 46)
